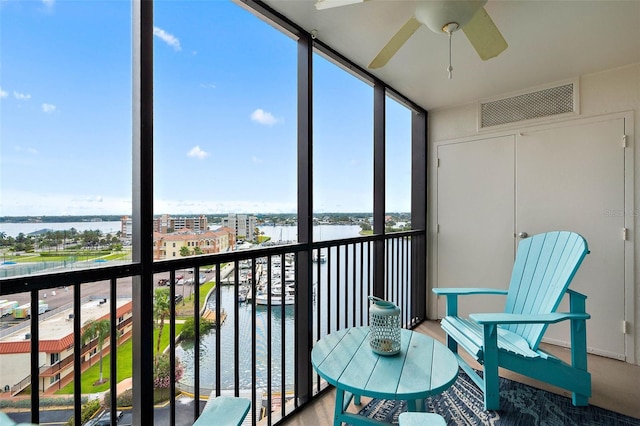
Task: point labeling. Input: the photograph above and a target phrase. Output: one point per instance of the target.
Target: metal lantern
(384, 324)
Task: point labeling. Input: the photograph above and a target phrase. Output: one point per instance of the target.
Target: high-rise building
(165, 224)
(243, 224)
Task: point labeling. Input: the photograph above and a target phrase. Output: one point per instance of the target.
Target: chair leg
(579, 400)
(490, 376)
(579, 346)
(452, 344)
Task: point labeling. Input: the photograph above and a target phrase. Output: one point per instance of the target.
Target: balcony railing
(269, 307)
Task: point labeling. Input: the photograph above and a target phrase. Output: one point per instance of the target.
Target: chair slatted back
(544, 266)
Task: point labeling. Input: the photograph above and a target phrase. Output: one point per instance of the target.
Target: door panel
(475, 195)
(572, 178)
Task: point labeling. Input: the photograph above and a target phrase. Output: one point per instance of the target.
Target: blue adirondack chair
(544, 266)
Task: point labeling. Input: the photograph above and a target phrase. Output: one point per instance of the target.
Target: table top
(423, 367)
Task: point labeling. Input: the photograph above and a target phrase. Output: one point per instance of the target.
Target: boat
(278, 295)
(322, 258)
(276, 300)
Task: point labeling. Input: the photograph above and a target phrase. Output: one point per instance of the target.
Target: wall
(13, 368)
(607, 92)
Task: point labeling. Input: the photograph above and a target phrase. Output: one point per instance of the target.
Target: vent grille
(543, 103)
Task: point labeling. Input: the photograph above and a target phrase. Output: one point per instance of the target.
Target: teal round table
(345, 360)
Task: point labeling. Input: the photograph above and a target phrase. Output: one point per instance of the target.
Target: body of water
(277, 232)
(244, 313)
(14, 229)
(320, 232)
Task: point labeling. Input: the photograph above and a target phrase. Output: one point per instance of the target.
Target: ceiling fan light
(450, 27)
(437, 15)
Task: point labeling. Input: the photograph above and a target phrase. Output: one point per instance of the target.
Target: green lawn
(118, 256)
(69, 256)
(186, 310)
(125, 365)
(204, 290)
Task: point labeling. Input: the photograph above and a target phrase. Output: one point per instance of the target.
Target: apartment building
(166, 224)
(168, 246)
(244, 225)
(57, 345)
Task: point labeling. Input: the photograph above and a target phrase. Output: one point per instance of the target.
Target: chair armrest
(503, 318)
(467, 291)
(453, 293)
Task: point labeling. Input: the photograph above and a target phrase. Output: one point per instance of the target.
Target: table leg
(339, 409)
(415, 405)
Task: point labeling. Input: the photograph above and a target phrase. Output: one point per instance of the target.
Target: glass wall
(398, 166)
(342, 150)
(225, 173)
(65, 176)
(65, 157)
(225, 122)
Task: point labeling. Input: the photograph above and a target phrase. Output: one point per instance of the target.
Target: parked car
(178, 298)
(163, 281)
(103, 419)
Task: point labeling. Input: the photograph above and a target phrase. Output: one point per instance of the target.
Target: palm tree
(161, 309)
(99, 329)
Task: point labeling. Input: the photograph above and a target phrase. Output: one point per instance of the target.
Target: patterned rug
(521, 405)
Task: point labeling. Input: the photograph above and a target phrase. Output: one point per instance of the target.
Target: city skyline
(225, 115)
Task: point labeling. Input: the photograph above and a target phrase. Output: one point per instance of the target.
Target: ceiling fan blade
(395, 43)
(327, 4)
(484, 35)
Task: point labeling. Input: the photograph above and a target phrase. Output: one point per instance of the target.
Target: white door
(475, 185)
(572, 178)
(565, 177)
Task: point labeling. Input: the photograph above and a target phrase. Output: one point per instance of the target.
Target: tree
(365, 226)
(197, 250)
(161, 309)
(188, 331)
(161, 372)
(99, 329)
(184, 251)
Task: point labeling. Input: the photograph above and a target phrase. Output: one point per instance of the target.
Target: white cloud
(197, 153)
(3, 94)
(208, 85)
(48, 108)
(30, 150)
(18, 203)
(21, 96)
(263, 117)
(89, 199)
(199, 206)
(49, 3)
(170, 39)
(256, 160)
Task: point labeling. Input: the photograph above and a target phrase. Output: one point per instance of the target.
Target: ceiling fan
(441, 17)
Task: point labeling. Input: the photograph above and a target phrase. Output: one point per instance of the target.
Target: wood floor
(616, 386)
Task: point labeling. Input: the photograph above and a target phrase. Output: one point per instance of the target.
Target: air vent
(543, 103)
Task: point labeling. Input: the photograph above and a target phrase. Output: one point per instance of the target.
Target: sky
(225, 115)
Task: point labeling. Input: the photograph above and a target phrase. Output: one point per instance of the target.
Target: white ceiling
(549, 41)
